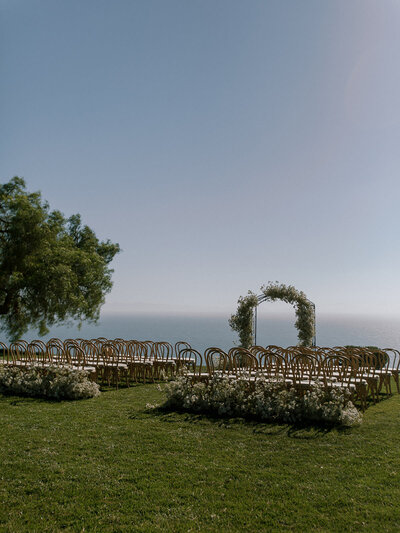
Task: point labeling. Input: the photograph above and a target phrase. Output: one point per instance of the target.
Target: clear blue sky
(222, 143)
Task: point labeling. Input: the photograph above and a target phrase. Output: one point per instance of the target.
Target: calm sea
(204, 331)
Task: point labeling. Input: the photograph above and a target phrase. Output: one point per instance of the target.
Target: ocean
(204, 331)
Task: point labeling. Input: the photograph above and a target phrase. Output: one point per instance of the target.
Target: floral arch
(245, 319)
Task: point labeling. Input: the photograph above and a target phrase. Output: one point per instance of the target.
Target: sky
(222, 143)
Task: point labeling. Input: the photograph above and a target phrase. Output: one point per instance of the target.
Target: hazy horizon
(203, 331)
(270, 314)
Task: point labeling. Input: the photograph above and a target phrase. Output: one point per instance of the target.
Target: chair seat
(196, 375)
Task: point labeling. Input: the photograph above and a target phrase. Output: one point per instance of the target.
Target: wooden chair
(342, 371)
(56, 353)
(381, 362)
(92, 357)
(76, 357)
(275, 366)
(184, 359)
(181, 345)
(140, 366)
(5, 357)
(38, 353)
(244, 363)
(364, 363)
(218, 362)
(304, 371)
(195, 372)
(113, 368)
(19, 354)
(393, 365)
(260, 353)
(162, 355)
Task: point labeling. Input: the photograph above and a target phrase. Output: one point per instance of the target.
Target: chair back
(56, 353)
(394, 358)
(5, 357)
(217, 361)
(181, 345)
(304, 369)
(338, 369)
(243, 361)
(190, 360)
(38, 352)
(162, 351)
(19, 353)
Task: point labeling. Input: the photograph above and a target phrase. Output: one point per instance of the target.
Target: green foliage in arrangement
(242, 321)
(58, 383)
(52, 269)
(269, 401)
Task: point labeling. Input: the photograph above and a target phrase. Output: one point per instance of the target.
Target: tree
(52, 269)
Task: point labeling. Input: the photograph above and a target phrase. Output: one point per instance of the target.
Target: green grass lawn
(111, 464)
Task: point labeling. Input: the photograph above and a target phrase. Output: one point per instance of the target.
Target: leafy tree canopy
(52, 269)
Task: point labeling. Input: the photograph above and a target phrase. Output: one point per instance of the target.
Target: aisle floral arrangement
(59, 383)
(267, 400)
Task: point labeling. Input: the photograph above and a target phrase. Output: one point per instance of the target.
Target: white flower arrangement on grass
(59, 383)
(266, 400)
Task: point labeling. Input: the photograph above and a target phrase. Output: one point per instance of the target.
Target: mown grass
(110, 464)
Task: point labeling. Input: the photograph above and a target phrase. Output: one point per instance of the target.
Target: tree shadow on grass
(309, 431)
(104, 387)
(13, 400)
(21, 400)
(300, 431)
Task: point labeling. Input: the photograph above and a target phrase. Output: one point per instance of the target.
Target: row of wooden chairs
(113, 361)
(110, 361)
(363, 371)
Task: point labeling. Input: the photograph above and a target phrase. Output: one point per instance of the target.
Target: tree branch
(6, 305)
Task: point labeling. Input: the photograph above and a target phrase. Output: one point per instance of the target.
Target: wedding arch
(245, 319)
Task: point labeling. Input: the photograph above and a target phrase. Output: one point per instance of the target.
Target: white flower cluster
(60, 383)
(266, 400)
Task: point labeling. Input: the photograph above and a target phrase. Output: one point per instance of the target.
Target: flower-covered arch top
(242, 321)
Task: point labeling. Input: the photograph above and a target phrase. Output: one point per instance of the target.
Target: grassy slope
(108, 464)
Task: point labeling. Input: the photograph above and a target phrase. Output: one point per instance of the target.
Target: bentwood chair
(38, 353)
(393, 365)
(113, 369)
(184, 358)
(139, 365)
(365, 368)
(162, 355)
(19, 354)
(218, 362)
(76, 357)
(304, 371)
(271, 365)
(381, 362)
(4, 358)
(341, 371)
(260, 353)
(196, 372)
(244, 362)
(56, 353)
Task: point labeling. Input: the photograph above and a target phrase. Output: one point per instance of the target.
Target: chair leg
(396, 380)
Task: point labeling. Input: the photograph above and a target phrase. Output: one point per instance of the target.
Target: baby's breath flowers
(60, 383)
(266, 400)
